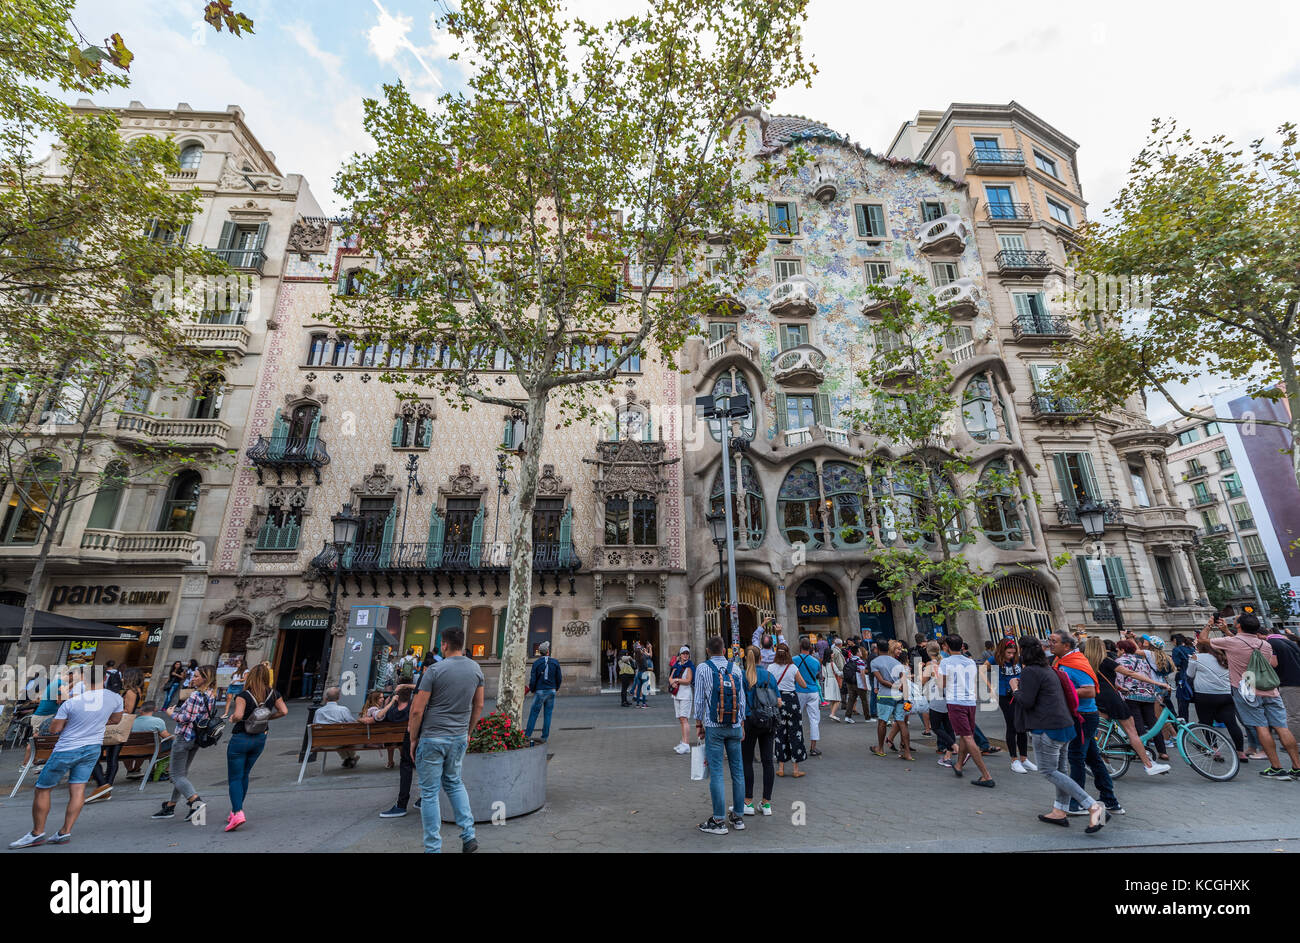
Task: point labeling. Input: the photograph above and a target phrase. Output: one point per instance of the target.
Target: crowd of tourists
(1052, 694)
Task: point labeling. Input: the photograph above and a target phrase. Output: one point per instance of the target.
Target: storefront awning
(52, 627)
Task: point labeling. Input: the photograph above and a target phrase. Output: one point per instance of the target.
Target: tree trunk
(514, 648)
(36, 580)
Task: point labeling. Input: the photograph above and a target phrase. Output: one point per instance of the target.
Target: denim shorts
(1265, 712)
(890, 709)
(76, 763)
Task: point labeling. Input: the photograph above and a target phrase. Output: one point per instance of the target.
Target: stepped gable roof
(783, 130)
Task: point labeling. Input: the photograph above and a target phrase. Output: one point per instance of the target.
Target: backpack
(208, 730)
(724, 702)
(764, 706)
(260, 718)
(405, 673)
(1265, 675)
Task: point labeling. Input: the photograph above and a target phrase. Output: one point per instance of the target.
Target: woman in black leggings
(1007, 658)
(757, 676)
(1212, 692)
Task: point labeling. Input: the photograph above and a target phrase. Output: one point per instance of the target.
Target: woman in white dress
(834, 675)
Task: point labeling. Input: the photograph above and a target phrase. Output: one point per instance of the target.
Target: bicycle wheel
(1209, 751)
(1115, 752)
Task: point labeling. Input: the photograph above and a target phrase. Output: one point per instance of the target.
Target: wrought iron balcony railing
(1001, 211)
(293, 453)
(986, 158)
(1044, 326)
(252, 259)
(1023, 261)
(1055, 407)
(1068, 513)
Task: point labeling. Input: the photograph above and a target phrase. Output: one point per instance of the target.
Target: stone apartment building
(1022, 178)
(138, 557)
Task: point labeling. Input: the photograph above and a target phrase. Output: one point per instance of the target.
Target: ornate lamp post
(345, 532)
(1093, 518)
(727, 409)
(718, 523)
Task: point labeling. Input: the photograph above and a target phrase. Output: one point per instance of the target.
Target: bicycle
(1207, 750)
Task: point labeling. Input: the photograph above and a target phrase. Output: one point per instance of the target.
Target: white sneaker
(1018, 767)
(682, 747)
(28, 841)
(836, 718)
(1155, 769)
(849, 720)
(1029, 767)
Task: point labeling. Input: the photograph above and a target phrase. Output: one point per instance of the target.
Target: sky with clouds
(1099, 71)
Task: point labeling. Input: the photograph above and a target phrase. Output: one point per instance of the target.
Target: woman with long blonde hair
(756, 676)
(248, 739)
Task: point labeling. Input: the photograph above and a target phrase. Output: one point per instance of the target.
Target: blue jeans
(716, 739)
(172, 690)
(241, 754)
(437, 760)
(639, 688)
(981, 741)
(308, 684)
(541, 699)
(1092, 758)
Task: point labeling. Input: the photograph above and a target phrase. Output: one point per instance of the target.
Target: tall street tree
(1198, 272)
(503, 217)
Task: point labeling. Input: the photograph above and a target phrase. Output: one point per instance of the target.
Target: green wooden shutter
(566, 533)
(279, 436)
(386, 544)
(779, 407)
(311, 433)
(476, 539)
(1084, 579)
(507, 434)
(877, 217)
(433, 550)
(1063, 479)
(794, 218)
(1118, 578)
(426, 433)
(227, 235)
(397, 433)
(822, 409)
(262, 230)
(863, 227)
(771, 217)
(342, 286)
(1089, 476)
(185, 234)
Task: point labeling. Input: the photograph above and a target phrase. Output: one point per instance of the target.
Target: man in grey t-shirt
(448, 702)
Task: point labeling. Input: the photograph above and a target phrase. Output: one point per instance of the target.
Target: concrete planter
(516, 778)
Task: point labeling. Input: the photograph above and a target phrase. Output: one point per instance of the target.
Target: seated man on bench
(332, 712)
(146, 721)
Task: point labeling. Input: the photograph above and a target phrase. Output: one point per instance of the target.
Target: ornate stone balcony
(802, 366)
(726, 346)
(629, 557)
(181, 549)
(825, 183)
(946, 235)
(958, 296)
(815, 433)
(136, 428)
(875, 304)
(232, 337)
(795, 297)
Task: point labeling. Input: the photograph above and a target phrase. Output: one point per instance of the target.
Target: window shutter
(397, 433)
(566, 531)
(794, 218)
(476, 539)
(1118, 578)
(1063, 480)
(1084, 580)
(822, 409)
(262, 230)
(185, 235)
(877, 215)
(507, 434)
(311, 433)
(279, 436)
(227, 235)
(386, 545)
(783, 336)
(426, 435)
(771, 217)
(779, 408)
(433, 550)
(1022, 305)
(1089, 477)
(861, 212)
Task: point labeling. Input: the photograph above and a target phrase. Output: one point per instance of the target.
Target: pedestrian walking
(680, 678)
(1259, 702)
(1083, 751)
(256, 705)
(1041, 708)
(789, 731)
(945, 741)
(890, 678)
(447, 705)
(833, 669)
(1182, 655)
(1138, 684)
(79, 723)
(719, 721)
(1212, 692)
(957, 676)
(1007, 659)
(131, 692)
(202, 704)
(237, 680)
(1288, 676)
(626, 672)
(810, 698)
(544, 683)
(854, 675)
(763, 701)
(1110, 701)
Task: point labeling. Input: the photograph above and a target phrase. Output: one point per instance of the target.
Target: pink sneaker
(236, 819)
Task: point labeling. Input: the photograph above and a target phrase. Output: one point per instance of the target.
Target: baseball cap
(684, 648)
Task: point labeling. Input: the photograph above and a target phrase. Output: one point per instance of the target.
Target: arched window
(754, 509)
(799, 506)
(977, 410)
(414, 427)
(108, 497)
(844, 486)
(191, 155)
(143, 381)
(345, 352)
(207, 399)
(631, 423)
(999, 506)
(30, 499)
(733, 384)
(946, 510)
(182, 504)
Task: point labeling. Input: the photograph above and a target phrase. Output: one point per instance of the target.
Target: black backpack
(208, 730)
(764, 708)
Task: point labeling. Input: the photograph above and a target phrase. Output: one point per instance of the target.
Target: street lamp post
(345, 531)
(1093, 518)
(718, 523)
(726, 409)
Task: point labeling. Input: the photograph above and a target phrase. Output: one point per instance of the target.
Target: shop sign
(305, 619)
(110, 595)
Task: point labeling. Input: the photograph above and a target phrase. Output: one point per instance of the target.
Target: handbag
(116, 734)
(697, 762)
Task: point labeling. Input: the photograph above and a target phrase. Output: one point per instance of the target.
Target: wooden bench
(330, 738)
(136, 746)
